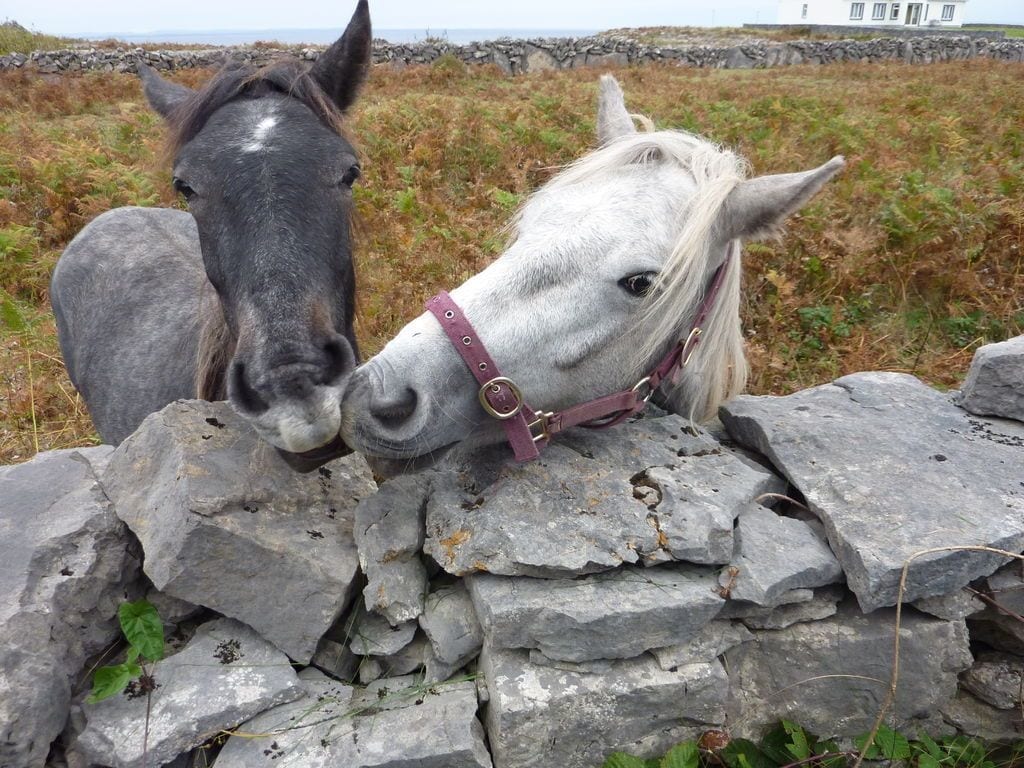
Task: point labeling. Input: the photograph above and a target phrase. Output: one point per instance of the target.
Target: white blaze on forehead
(259, 136)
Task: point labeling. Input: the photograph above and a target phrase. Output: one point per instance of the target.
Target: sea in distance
(325, 36)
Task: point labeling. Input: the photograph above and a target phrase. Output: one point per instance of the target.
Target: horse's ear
(757, 208)
(162, 95)
(342, 68)
(613, 118)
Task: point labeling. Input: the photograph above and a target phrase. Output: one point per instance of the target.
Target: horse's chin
(385, 467)
(307, 461)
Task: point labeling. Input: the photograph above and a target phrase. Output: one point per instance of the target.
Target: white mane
(718, 368)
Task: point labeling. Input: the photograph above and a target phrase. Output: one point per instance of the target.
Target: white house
(925, 13)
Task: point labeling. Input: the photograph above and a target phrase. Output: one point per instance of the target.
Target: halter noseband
(528, 430)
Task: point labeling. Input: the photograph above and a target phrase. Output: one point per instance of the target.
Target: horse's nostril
(396, 409)
(340, 359)
(241, 392)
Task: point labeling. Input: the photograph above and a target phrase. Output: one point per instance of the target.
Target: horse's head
(261, 160)
(607, 268)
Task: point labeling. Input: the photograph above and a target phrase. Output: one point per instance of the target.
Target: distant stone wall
(518, 56)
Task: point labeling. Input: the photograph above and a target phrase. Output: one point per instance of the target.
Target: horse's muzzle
(307, 461)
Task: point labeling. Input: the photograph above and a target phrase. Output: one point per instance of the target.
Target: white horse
(607, 269)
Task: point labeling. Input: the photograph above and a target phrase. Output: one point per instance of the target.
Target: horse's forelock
(233, 81)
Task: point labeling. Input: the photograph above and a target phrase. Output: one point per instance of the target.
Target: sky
(106, 17)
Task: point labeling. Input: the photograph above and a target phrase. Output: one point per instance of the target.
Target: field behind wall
(908, 261)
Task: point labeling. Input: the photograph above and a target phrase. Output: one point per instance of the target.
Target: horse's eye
(351, 175)
(638, 285)
(183, 189)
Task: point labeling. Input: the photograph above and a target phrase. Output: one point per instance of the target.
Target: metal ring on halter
(492, 384)
(644, 382)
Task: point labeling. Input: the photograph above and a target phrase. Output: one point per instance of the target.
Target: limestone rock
(708, 644)
(957, 605)
(1006, 587)
(790, 673)
(542, 716)
(385, 727)
(602, 616)
(942, 478)
(995, 381)
(225, 523)
(389, 537)
(450, 623)
(823, 604)
(225, 675)
(374, 636)
(335, 659)
(969, 715)
(65, 561)
(776, 554)
(996, 679)
(652, 492)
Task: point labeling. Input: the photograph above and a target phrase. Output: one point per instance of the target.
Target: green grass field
(909, 261)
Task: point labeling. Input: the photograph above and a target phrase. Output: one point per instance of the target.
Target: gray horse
(249, 295)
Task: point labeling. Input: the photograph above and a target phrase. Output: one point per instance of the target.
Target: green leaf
(930, 747)
(894, 746)
(685, 755)
(774, 745)
(132, 655)
(142, 627)
(10, 315)
(870, 751)
(622, 760)
(829, 747)
(741, 753)
(927, 761)
(109, 681)
(799, 745)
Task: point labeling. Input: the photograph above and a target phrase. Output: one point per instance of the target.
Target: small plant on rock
(144, 632)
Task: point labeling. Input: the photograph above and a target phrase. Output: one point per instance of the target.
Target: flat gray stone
(542, 716)
(1006, 587)
(224, 676)
(225, 523)
(389, 538)
(172, 610)
(612, 615)
(831, 676)
(995, 382)
(823, 604)
(958, 605)
(374, 636)
(385, 727)
(892, 468)
(996, 679)
(408, 659)
(775, 554)
(650, 493)
(967, 714)
(335, 659)
(65, 561)
(740, 609)
(450, 623)
(708, 644)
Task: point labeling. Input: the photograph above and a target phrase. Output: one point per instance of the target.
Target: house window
(895, 14)
(947, 12)
(803, 11)
(878, 12)
(856, 11)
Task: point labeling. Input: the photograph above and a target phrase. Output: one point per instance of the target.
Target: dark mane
(239, 80)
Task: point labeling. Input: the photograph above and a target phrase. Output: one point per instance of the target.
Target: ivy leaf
(109, 681)
(685, 755)
(622, 760)
(930, 747)
(132, 655)
(142, 627)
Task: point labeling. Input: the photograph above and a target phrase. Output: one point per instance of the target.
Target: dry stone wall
(633, 588)
(519, 56)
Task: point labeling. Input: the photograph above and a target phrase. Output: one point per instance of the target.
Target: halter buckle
(494, 385)
(644, 382)
(542, 421)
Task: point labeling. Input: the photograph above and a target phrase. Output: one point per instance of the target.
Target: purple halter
(528, 430)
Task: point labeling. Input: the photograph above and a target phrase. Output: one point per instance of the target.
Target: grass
(908, 261)
(14, 38)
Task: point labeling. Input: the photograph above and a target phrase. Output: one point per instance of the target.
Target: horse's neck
(216, 348)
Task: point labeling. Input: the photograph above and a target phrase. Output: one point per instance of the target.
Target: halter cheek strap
(527, 430)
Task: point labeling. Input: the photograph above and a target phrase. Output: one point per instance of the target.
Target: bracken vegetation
(908, 261)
